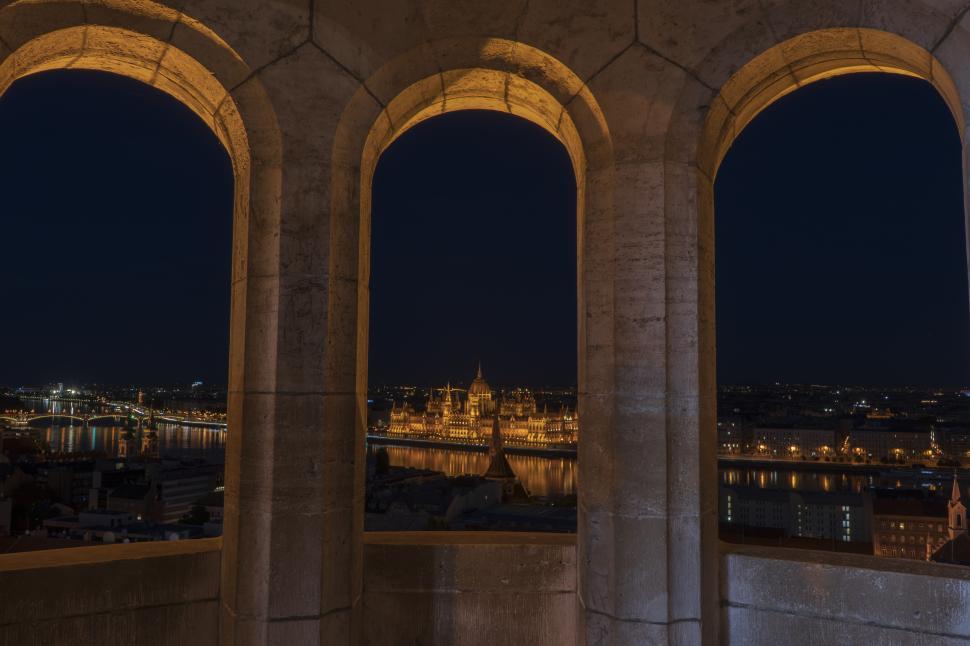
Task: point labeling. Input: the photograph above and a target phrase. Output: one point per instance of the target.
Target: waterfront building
(450, 417)
(733, 438)
(878, 442)
(953, 441)
(908, 524)
(837, 516)
(793, 442)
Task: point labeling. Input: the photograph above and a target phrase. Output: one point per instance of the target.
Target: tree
(197, 515)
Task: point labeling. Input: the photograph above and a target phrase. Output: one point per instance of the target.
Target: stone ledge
(467, 538)
(765, 592)
(51, 589)
(414, 563)
(93, 554)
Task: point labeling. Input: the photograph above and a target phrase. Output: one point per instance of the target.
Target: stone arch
(769, 54)
(437, 78)
(444, 76)
(707, 121)
(803, 60)
(180, 56)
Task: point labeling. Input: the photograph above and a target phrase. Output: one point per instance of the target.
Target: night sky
(116, 230)
(840, 240)
(474, 254)
(840, 244)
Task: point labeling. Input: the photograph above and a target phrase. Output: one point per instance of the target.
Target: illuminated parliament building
(450, 417)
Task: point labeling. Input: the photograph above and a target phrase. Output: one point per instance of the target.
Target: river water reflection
(66, 436)
(541, 476)
(828, 481)
(557, 476)
(181, 442)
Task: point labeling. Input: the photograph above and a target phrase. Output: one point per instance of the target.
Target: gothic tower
(149, 439)
(956, 512)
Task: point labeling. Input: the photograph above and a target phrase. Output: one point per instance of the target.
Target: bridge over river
(117, 417)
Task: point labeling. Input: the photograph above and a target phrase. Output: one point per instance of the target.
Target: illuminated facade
(450, 417)
(916, 528)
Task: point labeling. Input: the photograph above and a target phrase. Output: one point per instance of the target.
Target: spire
(956, 512)
(498, 466)
(479, 375)
(497, 445)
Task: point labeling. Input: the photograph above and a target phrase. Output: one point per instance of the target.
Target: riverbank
(476, 448)
(722, 460)
(843, 467)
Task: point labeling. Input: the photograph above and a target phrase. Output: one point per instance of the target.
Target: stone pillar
(291, 569)
(647, 547)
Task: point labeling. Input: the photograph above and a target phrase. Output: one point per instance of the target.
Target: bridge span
(90, 419)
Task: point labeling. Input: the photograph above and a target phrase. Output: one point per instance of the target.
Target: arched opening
(841, 313)
(196, 67)
(473, 267)
(118, 221)
(488, 74)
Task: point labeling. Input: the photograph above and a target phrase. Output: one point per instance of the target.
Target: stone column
(292, 545)
(647, 554)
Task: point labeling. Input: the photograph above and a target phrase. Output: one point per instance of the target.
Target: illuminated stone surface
(646, 96)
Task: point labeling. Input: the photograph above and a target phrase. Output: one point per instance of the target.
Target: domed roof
(479, 386)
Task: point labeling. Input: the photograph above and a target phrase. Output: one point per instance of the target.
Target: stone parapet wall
(420, 588)
(785, 596)
(141, 593)
(479, 588)
(474, 589)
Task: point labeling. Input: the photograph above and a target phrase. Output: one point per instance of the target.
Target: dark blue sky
(840, 239)
(117, 208)
(840, 244)
(474, 254)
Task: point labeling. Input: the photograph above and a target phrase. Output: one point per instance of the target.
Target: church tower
(126, 448)
(956, 512)
(149, 439)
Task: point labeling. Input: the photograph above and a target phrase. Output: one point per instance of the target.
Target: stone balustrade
(476, 589)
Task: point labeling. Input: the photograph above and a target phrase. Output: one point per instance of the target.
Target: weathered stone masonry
(646, 96)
